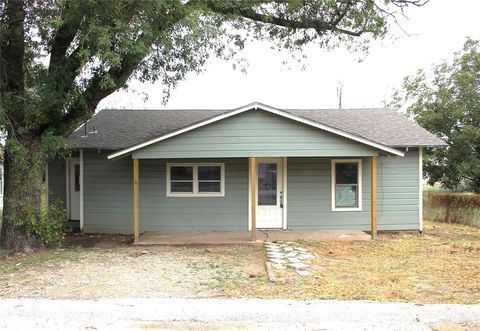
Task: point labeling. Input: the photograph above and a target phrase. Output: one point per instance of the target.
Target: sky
(435, 32)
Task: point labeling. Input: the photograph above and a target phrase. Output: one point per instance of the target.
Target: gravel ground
(129, 271)
(232, 314)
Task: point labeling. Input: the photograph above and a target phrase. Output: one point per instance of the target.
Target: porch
(244, 238)
(262, 202)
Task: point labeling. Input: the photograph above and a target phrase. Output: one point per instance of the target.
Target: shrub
(50, 228)
(452, 207)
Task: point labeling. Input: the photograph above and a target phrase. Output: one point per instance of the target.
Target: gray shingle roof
(119, 129)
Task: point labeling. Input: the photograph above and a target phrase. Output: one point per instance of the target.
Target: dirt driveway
(441, 266)
(118, 270)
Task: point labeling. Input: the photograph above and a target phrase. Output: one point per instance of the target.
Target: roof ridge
(138, 109)
(341, 109)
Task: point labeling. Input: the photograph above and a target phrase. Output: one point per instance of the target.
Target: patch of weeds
(17, 262)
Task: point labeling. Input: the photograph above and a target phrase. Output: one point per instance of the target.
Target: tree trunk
(22, 191)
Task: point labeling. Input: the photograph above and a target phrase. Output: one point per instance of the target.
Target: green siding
(177, 214)
(254, 133)
(310, 199)
(108, 198)
(107, 194)
(56, 182)
(398, 192)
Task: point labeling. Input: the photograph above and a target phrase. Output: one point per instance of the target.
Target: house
(241, 169)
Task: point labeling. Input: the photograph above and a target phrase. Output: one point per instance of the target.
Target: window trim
(196, 193)
(359, 185)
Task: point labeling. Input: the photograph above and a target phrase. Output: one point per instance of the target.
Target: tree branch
(13, 48)
(12, 67)
(319, 25)
(66, 33)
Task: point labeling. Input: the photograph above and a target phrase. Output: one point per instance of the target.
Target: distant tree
(60, 58)
(447, 103)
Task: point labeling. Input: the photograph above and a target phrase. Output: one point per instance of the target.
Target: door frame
(284, 161)
(68, 180)
(67, 186)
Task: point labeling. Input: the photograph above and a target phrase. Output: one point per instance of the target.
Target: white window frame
(360, 189)
(196, 193)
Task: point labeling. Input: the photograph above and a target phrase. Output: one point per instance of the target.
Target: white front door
(74, 186)
(269, 193)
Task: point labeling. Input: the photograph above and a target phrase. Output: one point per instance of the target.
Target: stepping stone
(279, 261)
(294, 260)
(303, 273)
(270, 250)
(301, 249)
(292, 254)
(270, 244)
(288, 249)
(273, 248)
(276, 255)
(275, 252)
(299, 266)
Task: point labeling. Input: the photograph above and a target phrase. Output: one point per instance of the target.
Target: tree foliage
(60, 58)
(447, 103)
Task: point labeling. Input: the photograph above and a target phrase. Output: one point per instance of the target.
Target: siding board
(254, 133)
(108, 196)
(309, 195)
(158, 212)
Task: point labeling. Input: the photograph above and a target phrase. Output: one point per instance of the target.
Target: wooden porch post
(374, 197)
(253, 196)
(135, 200)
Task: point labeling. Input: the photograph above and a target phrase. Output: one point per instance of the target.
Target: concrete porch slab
(244, 238)
(315, 235)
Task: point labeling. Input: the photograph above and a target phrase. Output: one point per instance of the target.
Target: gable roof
(127, 130)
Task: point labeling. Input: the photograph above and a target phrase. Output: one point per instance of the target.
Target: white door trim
(249, 196)
(81, 190)
(420, 188)
(280, 179)
(285, 176)
(67, 186)
(285, 180)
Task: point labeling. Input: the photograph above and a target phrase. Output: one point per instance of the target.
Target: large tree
(60, 58)
(446, 101)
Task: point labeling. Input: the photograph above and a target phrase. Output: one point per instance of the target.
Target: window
(77, 177)
(195, 180)
(346, 185)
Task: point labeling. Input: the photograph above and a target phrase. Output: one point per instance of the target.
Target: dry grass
(461, 208)
(443, 265)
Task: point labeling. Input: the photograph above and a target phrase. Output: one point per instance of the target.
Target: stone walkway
(283, 254)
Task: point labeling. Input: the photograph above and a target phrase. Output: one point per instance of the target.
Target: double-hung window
(195, 180)
(347, 185)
